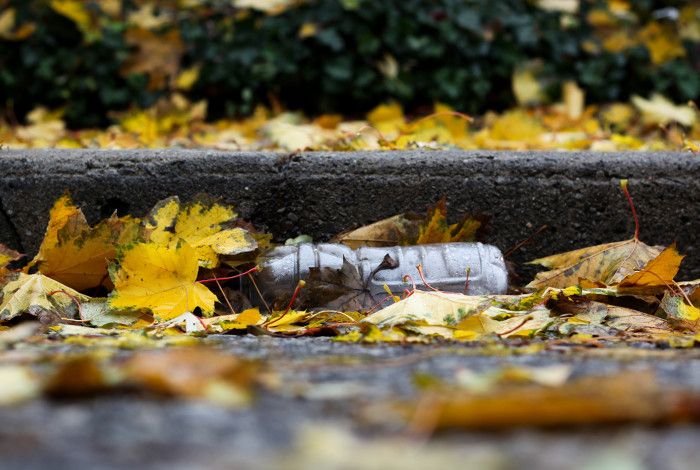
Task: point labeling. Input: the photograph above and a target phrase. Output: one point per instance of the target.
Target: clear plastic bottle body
(446, 267)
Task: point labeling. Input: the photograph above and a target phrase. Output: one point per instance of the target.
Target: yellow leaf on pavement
(162, 278)
(460, 316)
(433, 308)
(36, 290)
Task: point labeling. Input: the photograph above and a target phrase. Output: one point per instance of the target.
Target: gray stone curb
(321, 193)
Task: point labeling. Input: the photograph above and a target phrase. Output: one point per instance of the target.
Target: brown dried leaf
(336, 289)
(609, 264)
(157, 55)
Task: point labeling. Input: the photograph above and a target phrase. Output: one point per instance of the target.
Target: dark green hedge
(460, 52)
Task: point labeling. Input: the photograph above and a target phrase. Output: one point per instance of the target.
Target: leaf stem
(422, 277)
(625, 190)
(300, 284)
(217, 279)
(72, 297)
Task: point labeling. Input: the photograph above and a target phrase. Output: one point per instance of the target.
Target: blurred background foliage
(91, 58)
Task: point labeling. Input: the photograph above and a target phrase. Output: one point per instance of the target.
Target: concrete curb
(321, 193)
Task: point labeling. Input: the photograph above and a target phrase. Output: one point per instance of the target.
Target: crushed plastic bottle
(445, 267)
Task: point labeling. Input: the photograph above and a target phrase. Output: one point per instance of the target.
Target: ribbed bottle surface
(445, 267)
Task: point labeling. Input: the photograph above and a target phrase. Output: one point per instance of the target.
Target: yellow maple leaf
(76, 254)
(435, 229)
(162, 278)
(202, 225)
(36, 290)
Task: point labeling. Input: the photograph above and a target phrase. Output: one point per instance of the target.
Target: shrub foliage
(93, 57)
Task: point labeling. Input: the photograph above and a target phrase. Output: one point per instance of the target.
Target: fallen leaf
(236, 321)
(608, 264)
(76, 254)
(98, 313)
(504, 323)
(194, 373)
(388, 119)
(206, 226)
(435, 229)
(286, 322)
(432, 308)
(412, 229)
(45, 128)
(19, 384)
(564, 6)
(584, 401)
(386, 232)
(37, 290)
(678, 311)
(660, 111)
(574, 99)
(336, 289)
(161, 278)
(612, 316)
(660, 271)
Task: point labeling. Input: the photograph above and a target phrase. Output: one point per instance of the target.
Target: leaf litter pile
(129, 304)
(653, 123)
